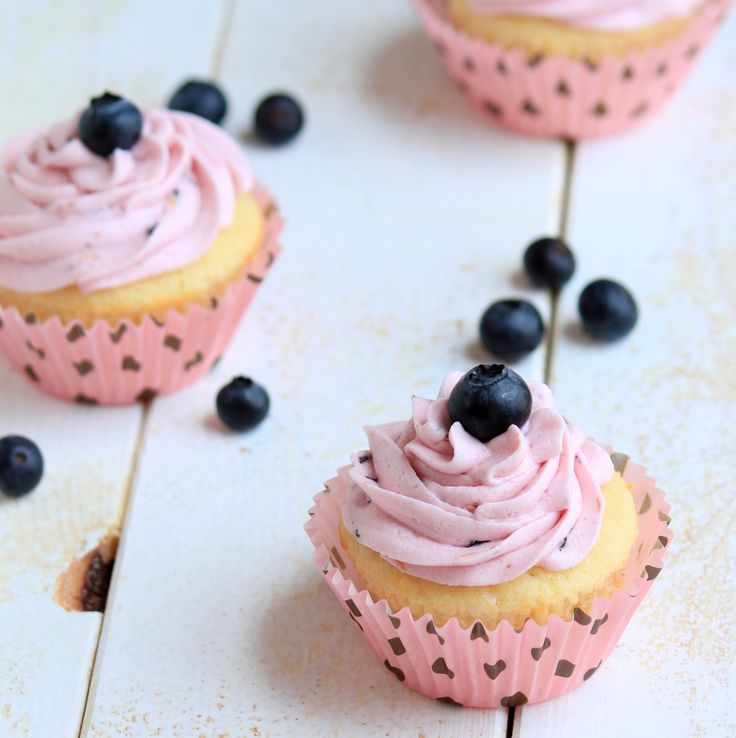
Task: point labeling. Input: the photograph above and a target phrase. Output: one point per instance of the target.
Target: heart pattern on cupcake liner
(560, 97)
(503, 667)
(129, 362)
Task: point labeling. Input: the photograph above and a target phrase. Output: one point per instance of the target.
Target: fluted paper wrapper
(477, 667)
(563, 97)
(117, 365)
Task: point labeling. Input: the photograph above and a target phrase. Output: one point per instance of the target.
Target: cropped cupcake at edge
(569, 68)
(131, 243)
(490, 553)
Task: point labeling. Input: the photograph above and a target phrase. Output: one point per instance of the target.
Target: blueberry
(242, 404)
(21, 465)
(489, 399)
(201, 98)
(110, 122)
(278, 119)
(549, 262)
(511, 329)
(607, 309)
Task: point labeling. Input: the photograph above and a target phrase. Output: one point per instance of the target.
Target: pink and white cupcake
(569, 68)
(488, 551)
(130, 245)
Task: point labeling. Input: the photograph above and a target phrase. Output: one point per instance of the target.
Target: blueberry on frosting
(489, 399)
(110, 122)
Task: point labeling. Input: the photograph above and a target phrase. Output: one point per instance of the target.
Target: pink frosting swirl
(439, 504)
(602, 15)
(70, 217)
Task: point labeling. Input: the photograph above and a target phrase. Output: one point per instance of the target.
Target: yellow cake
(541, 36)
(197, 283)
(537, 594)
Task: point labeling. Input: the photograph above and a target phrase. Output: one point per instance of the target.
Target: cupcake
(131, 242)
(489, 552)
(566, 68)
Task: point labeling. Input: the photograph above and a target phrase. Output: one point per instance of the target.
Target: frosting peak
(70, 217)
(602, 15)
(441, 505)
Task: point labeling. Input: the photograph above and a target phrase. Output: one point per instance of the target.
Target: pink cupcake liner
(477, 667)
(135, 361)
(560, 97)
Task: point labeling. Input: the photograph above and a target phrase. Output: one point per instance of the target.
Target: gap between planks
(510, 722)
(129, 484)
(553, 328)
(218, 53)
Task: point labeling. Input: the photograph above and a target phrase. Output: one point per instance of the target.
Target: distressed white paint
(56, 54)
(53, 57)
(406, 216)
(45, 652)
(656, 210)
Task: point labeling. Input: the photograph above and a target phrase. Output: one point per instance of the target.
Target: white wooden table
(406, 216)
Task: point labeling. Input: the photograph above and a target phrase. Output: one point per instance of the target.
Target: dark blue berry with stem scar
(607, 309)
(489, 399)
(21, 465)
(201, 98)
(548, 262)
(242, 404)
(110, 122)
(278, 119)
(510, 329)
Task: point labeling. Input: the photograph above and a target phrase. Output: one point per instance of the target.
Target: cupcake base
(118, 365)
(565, 97)
(478, 667)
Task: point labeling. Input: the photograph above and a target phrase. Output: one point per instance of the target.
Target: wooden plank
(406, 216)
(656, 210)
(54, 57)
(46, 652)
